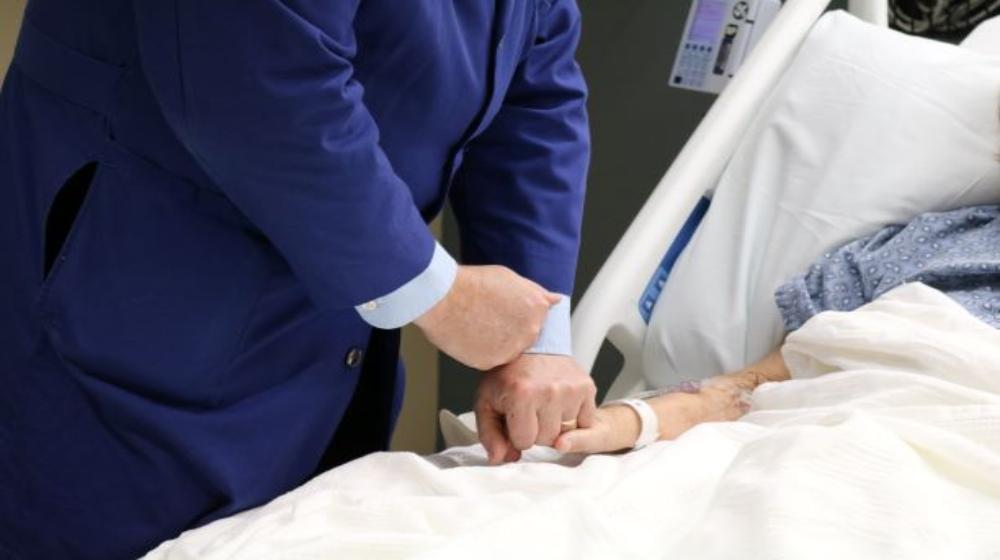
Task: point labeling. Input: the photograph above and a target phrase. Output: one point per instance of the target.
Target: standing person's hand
(527, 401)
(489, 317)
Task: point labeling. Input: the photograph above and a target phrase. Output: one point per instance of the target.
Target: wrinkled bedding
(886, 444)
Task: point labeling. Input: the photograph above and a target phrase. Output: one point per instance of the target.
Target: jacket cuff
(556, 336)
(416, 297)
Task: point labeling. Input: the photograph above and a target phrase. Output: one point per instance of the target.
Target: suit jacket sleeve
(519, 195)
(262, 92)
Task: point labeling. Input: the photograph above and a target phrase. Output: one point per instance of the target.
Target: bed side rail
(609, 308)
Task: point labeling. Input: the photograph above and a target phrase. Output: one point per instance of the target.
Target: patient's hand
(614, 428)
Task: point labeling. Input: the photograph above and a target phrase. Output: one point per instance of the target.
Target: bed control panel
(717, 38)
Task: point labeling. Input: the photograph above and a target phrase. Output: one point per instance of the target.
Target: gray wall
(10, 22)
(638, 126)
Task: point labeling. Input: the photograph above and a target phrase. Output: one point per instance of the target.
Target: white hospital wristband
(650, 430)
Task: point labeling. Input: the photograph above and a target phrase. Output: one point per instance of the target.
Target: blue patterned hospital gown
(956, 252)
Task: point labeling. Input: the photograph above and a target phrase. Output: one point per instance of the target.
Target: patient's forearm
(719, 399)
(722, 398)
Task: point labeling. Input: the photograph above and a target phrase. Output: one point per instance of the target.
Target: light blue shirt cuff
(556, 337)
(416, 297)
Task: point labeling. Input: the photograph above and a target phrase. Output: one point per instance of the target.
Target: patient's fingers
(522, 426)
(611, 431)
(590, 440)
(491, 434)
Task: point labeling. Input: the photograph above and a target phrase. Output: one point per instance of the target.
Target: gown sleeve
(840, 280)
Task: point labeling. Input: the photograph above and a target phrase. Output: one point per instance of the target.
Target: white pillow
(985, 38)
(867, 127)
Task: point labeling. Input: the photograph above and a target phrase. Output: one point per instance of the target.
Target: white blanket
(885, 445)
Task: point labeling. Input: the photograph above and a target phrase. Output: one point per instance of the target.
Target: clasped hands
(487, 320)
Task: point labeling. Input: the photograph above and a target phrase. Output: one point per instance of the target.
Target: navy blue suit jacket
(195, 194)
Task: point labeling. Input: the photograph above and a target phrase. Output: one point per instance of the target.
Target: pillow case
(867, 127)
(985, 38)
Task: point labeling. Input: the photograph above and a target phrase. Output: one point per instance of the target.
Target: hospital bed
(616, 306)
(862, 458)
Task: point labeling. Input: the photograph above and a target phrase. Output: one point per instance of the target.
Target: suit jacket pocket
(156, 283)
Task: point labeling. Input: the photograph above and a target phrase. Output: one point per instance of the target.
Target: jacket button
(353, 358)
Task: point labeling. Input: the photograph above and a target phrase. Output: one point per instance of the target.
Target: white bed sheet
(886, 445)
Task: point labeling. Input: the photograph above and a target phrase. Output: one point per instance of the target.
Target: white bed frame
(609, 310)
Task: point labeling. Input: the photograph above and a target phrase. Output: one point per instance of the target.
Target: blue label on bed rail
(659, 279)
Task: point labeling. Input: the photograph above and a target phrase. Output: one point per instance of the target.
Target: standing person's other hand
(489, 316)
(527, 401)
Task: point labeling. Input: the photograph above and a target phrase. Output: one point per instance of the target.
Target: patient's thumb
(578, 441)
(553, 298)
